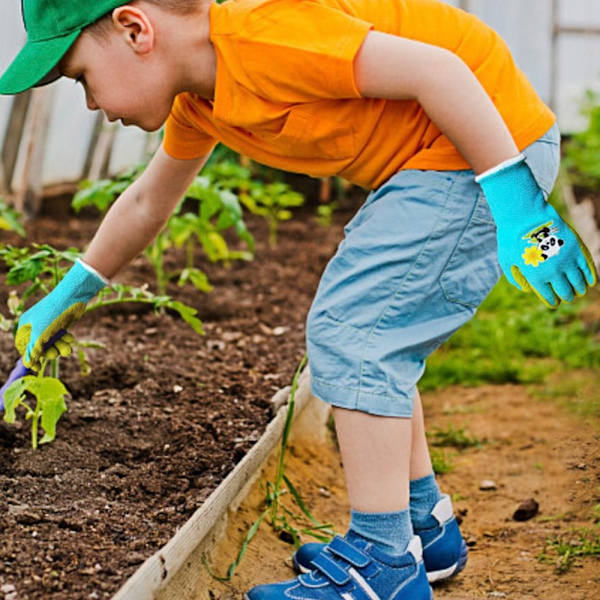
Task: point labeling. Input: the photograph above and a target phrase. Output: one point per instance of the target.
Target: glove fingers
(68, 338)
(63, 347)
(563, 288)
(546, 294)
(589, 270)
(51, 353)
(577, 280)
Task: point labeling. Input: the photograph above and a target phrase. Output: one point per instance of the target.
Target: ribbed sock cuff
(424, 495)
(390, 531)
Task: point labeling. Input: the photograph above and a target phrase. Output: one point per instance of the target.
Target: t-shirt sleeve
(295, 51)
(183, 139)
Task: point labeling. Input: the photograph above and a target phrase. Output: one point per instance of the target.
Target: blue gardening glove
(537, 250)
(63, 305)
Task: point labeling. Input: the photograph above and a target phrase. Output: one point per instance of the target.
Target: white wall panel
(128, 148)
(579, 13)
(527, 29)
(69, 134)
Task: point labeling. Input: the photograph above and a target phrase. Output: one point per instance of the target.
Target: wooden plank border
(151, 580)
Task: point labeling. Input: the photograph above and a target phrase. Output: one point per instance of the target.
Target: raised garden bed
(163, 418)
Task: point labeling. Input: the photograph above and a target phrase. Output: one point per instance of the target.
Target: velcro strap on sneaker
(340, 547)
(328, 567)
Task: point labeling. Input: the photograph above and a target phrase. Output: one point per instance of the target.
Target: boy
(414, 99)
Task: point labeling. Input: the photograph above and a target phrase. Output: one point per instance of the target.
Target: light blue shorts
(416, 261)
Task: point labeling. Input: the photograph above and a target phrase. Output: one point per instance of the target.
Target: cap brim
(36, 64)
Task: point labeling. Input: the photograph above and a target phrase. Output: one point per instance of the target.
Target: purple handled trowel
(21, 370)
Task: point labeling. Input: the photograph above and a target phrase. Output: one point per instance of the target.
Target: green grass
(563, 550)
(514, 338)
(440, 461)
(453, 437)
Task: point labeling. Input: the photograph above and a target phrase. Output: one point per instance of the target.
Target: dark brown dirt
(161, 420)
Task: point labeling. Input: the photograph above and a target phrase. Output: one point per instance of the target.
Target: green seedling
(10, 219)
(273, 202)
(40, 269)
(325, 213)
(102, 193)
(280, 517)
(218, 211)
(49, 394)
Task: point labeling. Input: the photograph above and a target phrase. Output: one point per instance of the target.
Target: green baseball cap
(52, 28)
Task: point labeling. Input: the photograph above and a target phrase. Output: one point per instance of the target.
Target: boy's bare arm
(140, 212)
(392, 67)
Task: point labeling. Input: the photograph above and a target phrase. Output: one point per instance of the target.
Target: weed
(563, 550)
(453, 437)
(440, 461)
(280, 517)
(581, 152)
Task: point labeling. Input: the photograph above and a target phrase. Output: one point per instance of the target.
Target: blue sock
(389, 531)
(424, 495)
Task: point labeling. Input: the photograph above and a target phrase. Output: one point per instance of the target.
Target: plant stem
(284, 439)
(54, 368)
(189, 249)
(34, 424)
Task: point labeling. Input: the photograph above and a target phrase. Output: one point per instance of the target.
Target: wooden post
(96, 166)
(32, 151)
(12, 138)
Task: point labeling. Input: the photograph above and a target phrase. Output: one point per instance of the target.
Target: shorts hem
(383, 405)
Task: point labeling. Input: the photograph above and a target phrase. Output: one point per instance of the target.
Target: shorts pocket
(543, 160)
(472, 269)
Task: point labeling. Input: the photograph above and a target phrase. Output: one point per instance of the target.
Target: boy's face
(122, 76)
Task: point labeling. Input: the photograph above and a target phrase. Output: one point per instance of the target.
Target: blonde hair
(102, 27)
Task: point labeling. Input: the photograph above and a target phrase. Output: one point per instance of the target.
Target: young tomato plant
(273, 202)
(10, 219)
(218, 210)
(49, 394)
(39, 269)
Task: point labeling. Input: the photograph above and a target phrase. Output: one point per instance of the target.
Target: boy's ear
(135, 27)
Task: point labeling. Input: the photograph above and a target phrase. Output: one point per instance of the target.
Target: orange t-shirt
(285, 92)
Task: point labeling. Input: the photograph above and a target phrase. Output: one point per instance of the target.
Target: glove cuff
(511, 191)
(503, 165)
(93, 271)
(80, 284)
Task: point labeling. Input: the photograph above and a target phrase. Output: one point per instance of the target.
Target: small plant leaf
(13, 397)
(50, 394)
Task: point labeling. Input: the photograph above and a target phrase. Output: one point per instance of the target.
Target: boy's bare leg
(376, 457)
(420, 461)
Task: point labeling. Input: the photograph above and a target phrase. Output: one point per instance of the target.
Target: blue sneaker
(354, 570)
(444, 550)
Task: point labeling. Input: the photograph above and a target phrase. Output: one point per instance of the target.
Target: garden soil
(166, 414)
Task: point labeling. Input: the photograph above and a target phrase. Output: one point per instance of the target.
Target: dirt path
(532, 449)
